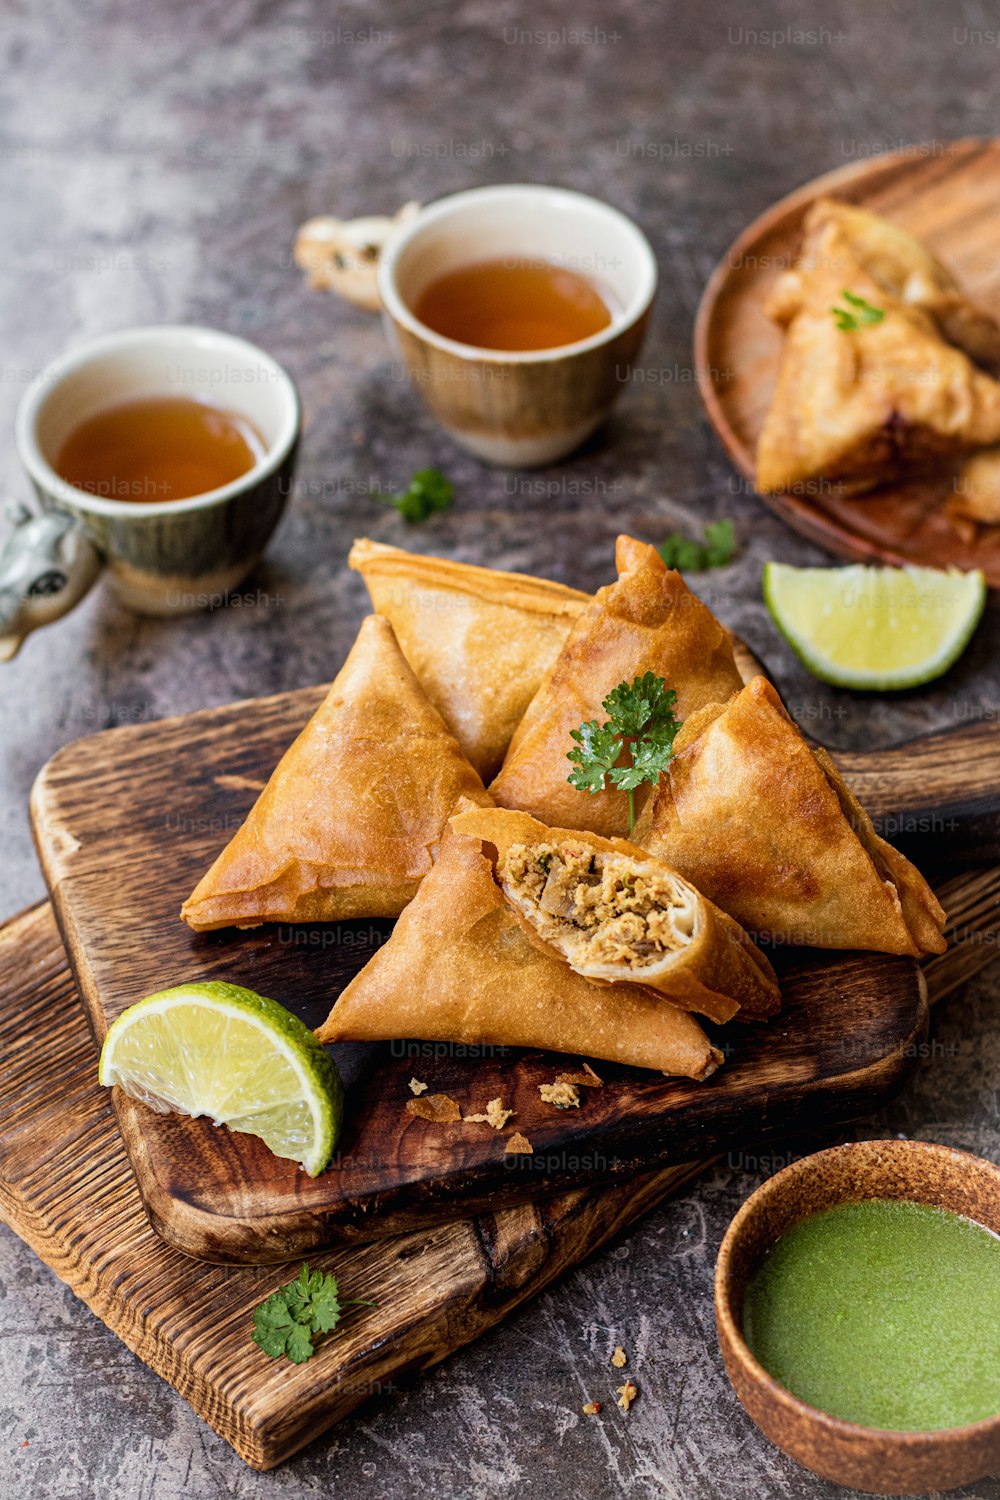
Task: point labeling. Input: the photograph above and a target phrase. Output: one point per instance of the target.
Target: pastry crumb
(495, 1115)
(619, 1359)
(591, 1408)
(519, 1145)
(588, 1079)
(562, 1095)
(436, 1107)
(416, 1087)
(627, 1394)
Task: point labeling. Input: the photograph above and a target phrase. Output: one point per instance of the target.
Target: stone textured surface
(154, 164)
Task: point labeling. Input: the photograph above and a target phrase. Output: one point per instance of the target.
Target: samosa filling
(596, 907)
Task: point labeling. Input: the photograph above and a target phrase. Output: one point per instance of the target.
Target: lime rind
(961, 595)
(309, 1112)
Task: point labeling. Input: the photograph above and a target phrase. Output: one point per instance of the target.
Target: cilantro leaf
(863, 316)
(286, 1322)
(642, 724)
(690, 556)
(427, 493)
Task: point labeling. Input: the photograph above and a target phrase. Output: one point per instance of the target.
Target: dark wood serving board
(67, 1189)
(947, 196)
(126, 822)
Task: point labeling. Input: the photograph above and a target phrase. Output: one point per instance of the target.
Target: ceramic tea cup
(161, 557)
(862, 1458)
(530, 407)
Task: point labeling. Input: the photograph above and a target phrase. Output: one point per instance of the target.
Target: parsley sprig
(427, 493)
(288, 1321)
(641, 723)
(690, 556)
(860, 314)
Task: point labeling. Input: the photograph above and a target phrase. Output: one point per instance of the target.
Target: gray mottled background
(154, 164)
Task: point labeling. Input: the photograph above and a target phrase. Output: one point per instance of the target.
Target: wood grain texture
(67, 1189)
(126, 822)
(947, 198)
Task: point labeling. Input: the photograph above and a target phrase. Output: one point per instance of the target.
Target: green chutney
(883, 1313)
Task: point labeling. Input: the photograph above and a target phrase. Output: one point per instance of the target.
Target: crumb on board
(438, 1108)
(416, 1087)
(627, 1394)
(619, 1359)
(562, 1095)
(591, 1408)
(519, 1145)
(587, 1079)
(495, 1115)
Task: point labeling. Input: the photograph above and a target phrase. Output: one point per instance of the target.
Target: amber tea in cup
(513, 304)
(158, 448)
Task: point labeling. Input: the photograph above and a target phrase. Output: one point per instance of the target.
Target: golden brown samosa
(348, 823)
(617, 915)
(459, 967)
(648, 621)
(904, 268)
(863, 405)
(479, 640)
(769, 831)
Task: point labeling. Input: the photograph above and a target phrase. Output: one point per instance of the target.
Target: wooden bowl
(862, 1458)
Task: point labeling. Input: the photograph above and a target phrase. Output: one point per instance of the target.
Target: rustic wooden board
(126, 821)
(67, 1189)
(947, 197)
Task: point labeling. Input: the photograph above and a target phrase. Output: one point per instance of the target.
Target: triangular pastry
(617, 915)
(863, 406)
(648, 621)
(769, 831)
(479, 640)
(348, 824)
(459, 967)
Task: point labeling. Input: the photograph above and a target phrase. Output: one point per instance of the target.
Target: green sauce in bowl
(882, 1313)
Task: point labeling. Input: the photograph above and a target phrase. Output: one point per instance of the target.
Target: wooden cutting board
(126, 822)
(67, 1189)
(947, 197)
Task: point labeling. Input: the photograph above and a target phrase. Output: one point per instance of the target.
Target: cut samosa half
(903, 267)
(479, 640)
(348, 823)
(460, 967)
(769, 831)
(865, 404)
(615, 914)
(648, 621)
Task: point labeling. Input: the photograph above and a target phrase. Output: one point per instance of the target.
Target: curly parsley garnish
(641, 723)
(860, 314)
(287, 1322)
(427, 493)
(714, 551)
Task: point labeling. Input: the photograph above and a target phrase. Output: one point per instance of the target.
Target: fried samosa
(615, 915)
(459, 967)
(769, 831)
(904, 268)
(868, 388)
(479, 640)
(349, 821)
(648, 621)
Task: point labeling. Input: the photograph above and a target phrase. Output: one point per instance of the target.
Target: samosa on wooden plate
(348, 824)
(460, 967)
(869, 388)
(479, 640)
(615, 915)
(648, 621)
(768, 830)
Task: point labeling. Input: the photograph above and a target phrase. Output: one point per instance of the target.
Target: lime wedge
(875, 628)
(218, 1050)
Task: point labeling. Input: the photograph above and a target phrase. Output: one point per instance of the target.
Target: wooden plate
(947, 195)
(127, 821)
